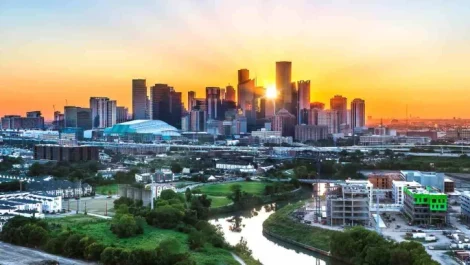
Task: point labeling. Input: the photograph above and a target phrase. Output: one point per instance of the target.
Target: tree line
(363, 247)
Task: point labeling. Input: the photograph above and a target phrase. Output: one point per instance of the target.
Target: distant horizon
(392, 55)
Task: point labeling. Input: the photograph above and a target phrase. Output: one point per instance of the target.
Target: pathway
(16, 255)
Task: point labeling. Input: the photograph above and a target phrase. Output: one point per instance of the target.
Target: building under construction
(348, 204)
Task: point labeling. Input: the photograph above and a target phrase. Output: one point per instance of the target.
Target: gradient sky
(390, 53)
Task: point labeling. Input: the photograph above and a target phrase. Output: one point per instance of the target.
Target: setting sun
(271, 92)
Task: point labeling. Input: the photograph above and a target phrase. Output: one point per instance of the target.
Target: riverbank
(296, 194)
(266, 249)
(281, 226)
(355, 245)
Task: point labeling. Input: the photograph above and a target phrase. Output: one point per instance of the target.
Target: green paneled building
(425, 205)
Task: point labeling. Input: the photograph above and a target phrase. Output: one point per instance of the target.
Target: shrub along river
(268, 250)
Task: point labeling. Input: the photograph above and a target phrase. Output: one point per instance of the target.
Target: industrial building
(425, 205)
(348, 204)
(66, 153)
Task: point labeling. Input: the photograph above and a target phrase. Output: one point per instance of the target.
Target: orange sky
(391, 56)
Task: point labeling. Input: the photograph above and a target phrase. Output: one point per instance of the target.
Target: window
(433, 200)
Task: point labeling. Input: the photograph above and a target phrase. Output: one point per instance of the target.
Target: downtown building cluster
(228, 111)
(221, 113)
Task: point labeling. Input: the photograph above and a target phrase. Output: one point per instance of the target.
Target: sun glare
(271, 92)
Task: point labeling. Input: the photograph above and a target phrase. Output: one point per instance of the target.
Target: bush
(196, 240)
(126, 225)
(72, 246)
(93, 251)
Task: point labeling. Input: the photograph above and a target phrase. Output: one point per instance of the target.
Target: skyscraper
(139, 99)
(246, 98)
(317, 105)
(358, 113)
(111, 116)
(103, 112)
(165, 104)
(330, 119)
(214, 103)
(303, 99)
(283, 85)
(77, 117)
(243, 75)
(230, 93)
(191, 96)
(340, 104)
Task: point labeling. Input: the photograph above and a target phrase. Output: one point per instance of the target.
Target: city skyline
(389, 56)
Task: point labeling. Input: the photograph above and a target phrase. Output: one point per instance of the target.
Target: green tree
(126, 225)
(188, 194)
(176, 167)
(236, 195)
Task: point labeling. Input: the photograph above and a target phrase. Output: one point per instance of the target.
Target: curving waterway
(268, 250)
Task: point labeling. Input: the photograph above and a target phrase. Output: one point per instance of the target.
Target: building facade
(340, 104)
(285, 122)
(139, 99)
(66, 153)
(303, 101)
(77, 117)
(305, 133)
(425, 206)
(358, 113)
(329, 118)
(283, 85)
(348, 205)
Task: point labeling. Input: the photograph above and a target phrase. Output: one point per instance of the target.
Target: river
(268, 251)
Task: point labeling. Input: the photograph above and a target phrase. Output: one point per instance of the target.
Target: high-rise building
(283, 85)
(317, 105)
(303, 99)
(312, 118)
(340, 104)
(121, 114)
(358, 113)
(330, 119)
(191, 97)
(103, 112)
(285, 122)
(112, 113)
(197, 120)
(246, 100)
(166, 105)
(243, 75)
(139, 99)
(214, 103)
(77, 117)
(222, 94)
(230, 94)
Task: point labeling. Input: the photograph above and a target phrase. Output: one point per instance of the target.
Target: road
(16, 255)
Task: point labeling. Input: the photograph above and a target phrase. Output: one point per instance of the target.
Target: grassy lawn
(219, 201)
(106, 188)
(99, 230)
(281, 224)
(223, 189)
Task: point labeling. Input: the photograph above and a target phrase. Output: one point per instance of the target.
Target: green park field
(223, 189)
(107, 189)
(99, 229)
